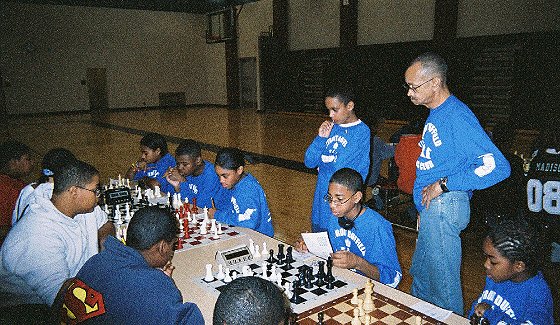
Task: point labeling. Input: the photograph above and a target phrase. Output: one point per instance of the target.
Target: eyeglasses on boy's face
(329, 199)
(96, 191)
(415, 88)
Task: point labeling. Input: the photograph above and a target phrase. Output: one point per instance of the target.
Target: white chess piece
(216, 236)
(205, 211)
(418, 320)
(356, 320)
(257, 254)
(128, 183)
(191, 218)
(120, 180)
(367, 319)
(368, 303)
(203, 230)
(181, 229)
(354, 300)
(264, 266)
(264, 251)
(227, 278)
(209, 276)
(252, 246)
(247, 271)
(213, 228)
(220, 229)
(234, 275)
(273, 274)
(279, 280)
(220, 275)
(288, 290)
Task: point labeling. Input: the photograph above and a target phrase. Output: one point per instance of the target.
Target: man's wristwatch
(443, 184)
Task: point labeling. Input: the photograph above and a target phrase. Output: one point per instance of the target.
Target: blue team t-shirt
(157, 169)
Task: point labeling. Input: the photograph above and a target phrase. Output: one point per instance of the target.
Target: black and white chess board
(310, 293)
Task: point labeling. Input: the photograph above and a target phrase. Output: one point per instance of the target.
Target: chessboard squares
(319, 291)
(232, 233)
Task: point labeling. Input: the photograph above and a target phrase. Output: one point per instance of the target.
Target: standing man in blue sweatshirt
(342, 141)
(457, 157)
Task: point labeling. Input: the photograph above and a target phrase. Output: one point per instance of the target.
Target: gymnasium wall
(46, 49)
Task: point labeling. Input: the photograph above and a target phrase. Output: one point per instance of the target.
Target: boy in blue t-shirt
(361, 238)
(153, 163)
(342, 141)
(515, 290)
(193, 177)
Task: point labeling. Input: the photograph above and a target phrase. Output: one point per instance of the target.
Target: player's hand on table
(480, 308)
(300, 246)
(325, 129)
(345, 260)
(168, 269)
(173, 177)
(430, 192)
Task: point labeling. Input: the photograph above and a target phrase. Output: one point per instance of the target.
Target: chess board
(341, 311)
(196, 239)
(311, 297)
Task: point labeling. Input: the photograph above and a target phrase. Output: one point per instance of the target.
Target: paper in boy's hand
(318, 243)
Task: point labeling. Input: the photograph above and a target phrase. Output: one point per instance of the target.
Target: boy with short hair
(361, 238)
(54, 239)
(251, 300)
(193, 177)
(515, 290)
(132, 284)
(342, 141)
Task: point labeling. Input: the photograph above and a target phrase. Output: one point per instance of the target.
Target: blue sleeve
(190, 315)
(382, 253)
(313, 153)
(485, 165)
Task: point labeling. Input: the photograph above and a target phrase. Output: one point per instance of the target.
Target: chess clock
(233, 256)
(116, 196)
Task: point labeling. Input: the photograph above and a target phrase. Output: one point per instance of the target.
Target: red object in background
(194, 207)
(180, 243)
(186, 228)
(407, 152)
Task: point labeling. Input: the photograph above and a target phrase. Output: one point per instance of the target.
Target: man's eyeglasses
(329, 199)
(96, 191)
(415, 88)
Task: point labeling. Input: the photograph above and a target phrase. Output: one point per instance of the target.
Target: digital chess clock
(236, 255)
(117, 196)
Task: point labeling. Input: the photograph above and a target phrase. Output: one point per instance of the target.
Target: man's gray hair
(432, 65)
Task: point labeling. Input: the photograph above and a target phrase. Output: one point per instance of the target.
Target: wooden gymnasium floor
(110, 142)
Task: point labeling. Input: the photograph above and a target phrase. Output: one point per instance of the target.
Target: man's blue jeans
(436, 264)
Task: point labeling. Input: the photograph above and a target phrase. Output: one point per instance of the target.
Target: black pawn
(321, 272)
(320, 317)
(309, 278)
(281, 256)
(271, 258)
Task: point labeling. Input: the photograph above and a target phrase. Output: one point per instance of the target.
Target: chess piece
(264, 251)
(368, 303)
(220, 275)
(354, 300)
(247, 270)
(203, 230)
(329, 276)
(251, 246)
(361, 307)
(272, 277)
(367, 319)
(356, 320)
(320, 318)
(418, 320)
(289, 257)
(287, 290)
(220, 231)
(257, 254)
(227, 278)
(186, 234)
(209, 276)
(180, 243)
(215, 235)
(213, 228)
(279, 280)
(296, 298)
(271, 258)
(264, 267)
(280, 256)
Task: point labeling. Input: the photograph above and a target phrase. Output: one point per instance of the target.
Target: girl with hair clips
(241, 201)
(515, 290)
(154, 161)
(52, 161)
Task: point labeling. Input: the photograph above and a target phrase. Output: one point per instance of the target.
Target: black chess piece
(309, 277)
(280, 256)
(271, 258)
(289, 255)
(321, 271)
(320, 317)
(296, 298)
(329, 276)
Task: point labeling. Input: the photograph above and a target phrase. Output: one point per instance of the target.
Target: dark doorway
(248, 82)
(97, 88)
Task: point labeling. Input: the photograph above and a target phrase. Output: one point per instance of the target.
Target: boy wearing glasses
(342, 141)
(54, 239)
(361, 238)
